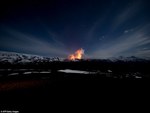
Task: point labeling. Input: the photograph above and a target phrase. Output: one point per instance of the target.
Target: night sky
(103, 28)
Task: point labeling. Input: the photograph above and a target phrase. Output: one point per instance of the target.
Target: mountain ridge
(14, 57)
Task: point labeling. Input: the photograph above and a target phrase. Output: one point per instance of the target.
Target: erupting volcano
(77, 55)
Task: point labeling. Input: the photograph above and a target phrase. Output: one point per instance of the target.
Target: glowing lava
(77, 55)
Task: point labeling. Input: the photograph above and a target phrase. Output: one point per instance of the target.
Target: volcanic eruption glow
(77, 55)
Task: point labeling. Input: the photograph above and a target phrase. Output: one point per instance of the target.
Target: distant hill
(127, 59)
(13, 57)
(17, 58)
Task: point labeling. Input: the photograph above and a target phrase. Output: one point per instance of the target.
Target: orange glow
(77, 55)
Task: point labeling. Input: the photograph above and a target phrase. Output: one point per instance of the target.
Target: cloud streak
(18, 41)
(142, 53)
(126, 42)
(126, 14)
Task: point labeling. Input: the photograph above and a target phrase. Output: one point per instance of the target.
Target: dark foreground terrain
(41, 86)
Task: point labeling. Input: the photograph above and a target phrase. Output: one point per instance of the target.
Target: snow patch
(74, 71)
(138, 77)
(26, 73)
(110, 71)
(45, 72)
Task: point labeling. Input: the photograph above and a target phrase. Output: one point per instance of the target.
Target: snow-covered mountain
(126, 59)
(12, 57)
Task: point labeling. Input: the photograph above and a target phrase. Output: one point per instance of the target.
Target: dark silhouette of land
(35, 84)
